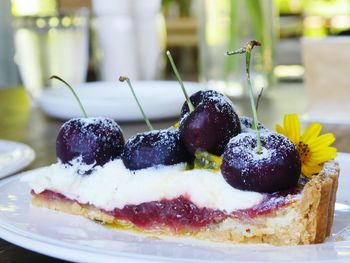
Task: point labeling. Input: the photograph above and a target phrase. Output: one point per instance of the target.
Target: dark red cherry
(277, 168)
(152, 148)
(210, 126)
(95, 140)
(202, 96)
(247, 123)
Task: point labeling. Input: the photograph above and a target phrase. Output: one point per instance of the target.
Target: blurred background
(109, 37)
(304, 43)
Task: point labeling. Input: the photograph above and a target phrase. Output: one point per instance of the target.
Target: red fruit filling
(270, 203)
(181, 214)
(178, 214)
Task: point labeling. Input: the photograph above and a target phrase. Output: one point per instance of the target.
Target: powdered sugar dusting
(269, 141)
(330, 167)
(87, 128)
(157, 147)
(86, 123)
(221, 101)
(247, 123)
(168, 138)
(248, 140)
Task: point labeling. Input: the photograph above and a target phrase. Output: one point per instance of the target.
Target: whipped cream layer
(114, 186)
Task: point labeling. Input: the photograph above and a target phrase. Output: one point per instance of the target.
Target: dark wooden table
(20, 122)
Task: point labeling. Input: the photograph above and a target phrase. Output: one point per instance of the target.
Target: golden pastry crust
(307, 220)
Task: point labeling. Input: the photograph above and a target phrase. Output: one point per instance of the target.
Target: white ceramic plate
(160, 99)
(14, 156)
(77, 239)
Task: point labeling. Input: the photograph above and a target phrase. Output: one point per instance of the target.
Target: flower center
(304, 151)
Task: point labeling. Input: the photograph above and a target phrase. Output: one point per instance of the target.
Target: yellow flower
(314, 149)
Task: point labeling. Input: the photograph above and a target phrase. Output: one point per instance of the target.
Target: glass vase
(227, 25)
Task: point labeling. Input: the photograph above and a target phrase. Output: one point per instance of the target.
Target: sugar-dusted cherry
(88, 141)
(95, 140)
(153, 148)
(259, 161)
(210, 126)
(208, 119)
(276, 168)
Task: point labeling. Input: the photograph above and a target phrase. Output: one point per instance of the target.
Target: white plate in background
(329, 118)
(78, 239)
(160, 99)
(14, 156)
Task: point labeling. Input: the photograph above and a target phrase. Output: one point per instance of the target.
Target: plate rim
(30, 158)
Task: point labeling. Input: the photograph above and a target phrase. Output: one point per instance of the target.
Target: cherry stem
(247, 51)
(189, 103)
(75, 95)
(258, 99)
(122, 79)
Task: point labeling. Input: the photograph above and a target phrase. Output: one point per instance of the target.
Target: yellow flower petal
(309, 171)
(322, 141)
(286, 124)
(326, 154)
(314, 149)
(311, 133)
(280, 130)
(296, 126)
(292, 127)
